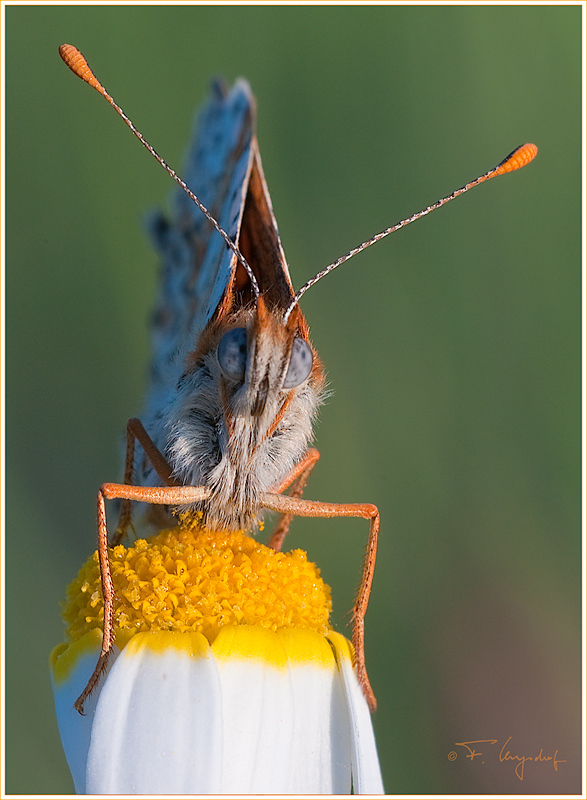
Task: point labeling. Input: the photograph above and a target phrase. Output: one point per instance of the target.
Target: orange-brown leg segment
(135, 431)
(159, 495)
(311, 508)
(298, 477)
(109, 595)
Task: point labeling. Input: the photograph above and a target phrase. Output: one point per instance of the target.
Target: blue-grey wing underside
(195, 261)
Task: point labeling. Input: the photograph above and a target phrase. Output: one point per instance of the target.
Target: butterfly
(235, 380)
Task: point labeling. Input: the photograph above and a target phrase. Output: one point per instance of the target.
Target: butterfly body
(239, 436)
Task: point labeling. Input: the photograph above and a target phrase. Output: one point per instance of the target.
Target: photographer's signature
(506, 754)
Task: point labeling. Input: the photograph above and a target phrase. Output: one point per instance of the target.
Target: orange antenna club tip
(78, 64)
(521, 156)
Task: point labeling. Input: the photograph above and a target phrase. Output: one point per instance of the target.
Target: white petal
(286, 728)
(71, 668)
(321, 748)
(366, 770)
(258, 710)
(157, 727)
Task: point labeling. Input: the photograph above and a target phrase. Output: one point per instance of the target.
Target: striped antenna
(521, 156)
(78, 64)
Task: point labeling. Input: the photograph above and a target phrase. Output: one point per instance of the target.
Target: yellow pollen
(190, 579)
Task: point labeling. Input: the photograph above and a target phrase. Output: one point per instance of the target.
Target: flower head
(226, 676)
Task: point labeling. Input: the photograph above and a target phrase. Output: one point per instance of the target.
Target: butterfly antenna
(518, 158)
(78, 64)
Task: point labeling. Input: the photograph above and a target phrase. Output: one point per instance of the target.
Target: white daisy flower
(226, 677)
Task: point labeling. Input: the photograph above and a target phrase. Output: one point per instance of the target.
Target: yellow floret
(189, 579)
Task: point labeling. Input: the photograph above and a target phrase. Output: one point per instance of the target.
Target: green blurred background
(453, 348)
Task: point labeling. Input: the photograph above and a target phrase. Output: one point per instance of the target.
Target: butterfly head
(260, 364)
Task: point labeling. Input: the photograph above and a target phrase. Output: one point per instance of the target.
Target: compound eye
(232, 354)
(300, 364)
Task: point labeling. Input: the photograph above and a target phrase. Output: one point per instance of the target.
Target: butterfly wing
(195, 260)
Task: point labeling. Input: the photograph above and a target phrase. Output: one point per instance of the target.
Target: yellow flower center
(190, 579)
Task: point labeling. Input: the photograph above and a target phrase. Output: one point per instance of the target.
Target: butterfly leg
(135, 431)
(312, 508)
(159, 495)
(298, 477)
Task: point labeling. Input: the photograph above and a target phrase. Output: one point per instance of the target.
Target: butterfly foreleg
(158, 495)
(135, 431)
(297, 478)
(312, 508)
